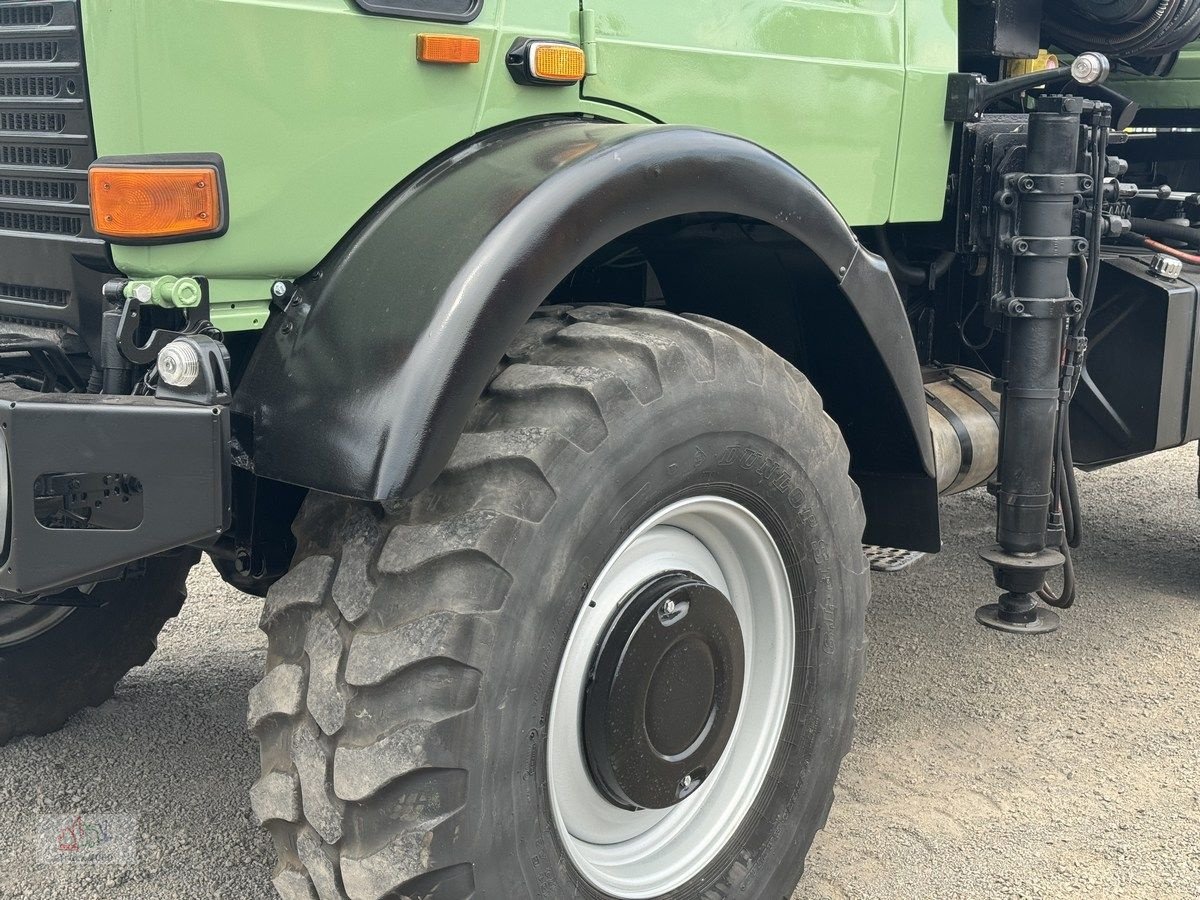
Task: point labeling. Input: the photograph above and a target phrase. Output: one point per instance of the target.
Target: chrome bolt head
(1091, 68)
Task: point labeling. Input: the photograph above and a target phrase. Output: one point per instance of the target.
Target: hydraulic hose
(1152, 30)
(1066, 489)
(1167, 231)
(904, 272)
(1073, 521)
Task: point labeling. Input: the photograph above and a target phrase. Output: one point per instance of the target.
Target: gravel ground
(984, 766)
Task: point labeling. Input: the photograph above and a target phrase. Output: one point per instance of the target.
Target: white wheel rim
(651, 852)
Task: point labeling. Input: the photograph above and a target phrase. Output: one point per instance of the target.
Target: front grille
(45, 122)
(46, 146)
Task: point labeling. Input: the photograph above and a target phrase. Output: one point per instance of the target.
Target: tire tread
(413, 653)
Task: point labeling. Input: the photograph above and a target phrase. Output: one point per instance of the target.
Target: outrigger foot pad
(1020, 576)
(1018, 614)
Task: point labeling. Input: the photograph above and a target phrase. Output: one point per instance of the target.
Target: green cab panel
(320, 109)
(825, 84)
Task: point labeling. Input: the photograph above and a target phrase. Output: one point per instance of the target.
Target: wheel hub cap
(665, 692)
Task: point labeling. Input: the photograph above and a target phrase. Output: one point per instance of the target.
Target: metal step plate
(892, 561)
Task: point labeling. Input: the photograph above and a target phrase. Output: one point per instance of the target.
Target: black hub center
(664, 694)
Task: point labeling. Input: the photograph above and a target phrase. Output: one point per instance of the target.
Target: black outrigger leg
(1035, 314)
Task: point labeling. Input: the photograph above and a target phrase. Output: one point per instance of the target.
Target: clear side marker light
(179, 364)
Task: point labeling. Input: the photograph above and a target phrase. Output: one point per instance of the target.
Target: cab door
(820, 82)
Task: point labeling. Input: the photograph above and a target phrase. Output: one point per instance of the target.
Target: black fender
(363, 384)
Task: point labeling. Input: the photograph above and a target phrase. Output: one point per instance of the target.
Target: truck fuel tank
(964, 416)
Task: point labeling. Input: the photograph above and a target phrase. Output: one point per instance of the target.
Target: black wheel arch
(362, 385)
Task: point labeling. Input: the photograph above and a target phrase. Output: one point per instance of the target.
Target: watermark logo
(91, 838)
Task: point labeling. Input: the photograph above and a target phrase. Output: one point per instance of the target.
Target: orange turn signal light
(552, 61)
(447, 48)
(538, 61)
(150, 203)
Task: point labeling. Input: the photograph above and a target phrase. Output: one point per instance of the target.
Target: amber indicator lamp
(141, 204)
(448, 49)
(547, 62)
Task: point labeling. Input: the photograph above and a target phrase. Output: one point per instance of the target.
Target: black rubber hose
(1165, 29)
(1066, 598)
(901, 271)
(1066, 489)
(1072, 515)
(1155, 228)
(940, 267)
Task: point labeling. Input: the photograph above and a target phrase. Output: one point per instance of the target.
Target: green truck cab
(557, 372)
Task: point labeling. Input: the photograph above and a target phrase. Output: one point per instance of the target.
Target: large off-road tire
(421, 718)
(55, 661)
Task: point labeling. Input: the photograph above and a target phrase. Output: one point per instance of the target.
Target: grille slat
(28, 51)
(27, 293)
(11, 220)
(25, 15)
(41, 157)
(44, 122)
(37, 189)
(30, 86)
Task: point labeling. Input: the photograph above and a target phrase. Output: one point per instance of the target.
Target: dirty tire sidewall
(78, 662)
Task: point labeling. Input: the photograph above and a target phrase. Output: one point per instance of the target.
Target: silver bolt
(669, 607)
(279, 289)
(687, 782)
(1090, 68)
